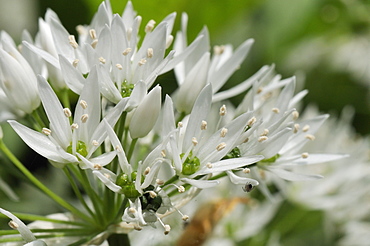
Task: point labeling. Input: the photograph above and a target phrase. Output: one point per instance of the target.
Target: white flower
(193, 153)
(64, 140)
(17, 79)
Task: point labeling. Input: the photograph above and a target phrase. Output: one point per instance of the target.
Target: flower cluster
(131, 157)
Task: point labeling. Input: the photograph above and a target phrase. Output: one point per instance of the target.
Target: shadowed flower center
(80, 148)
(128, 185)
(126, 89)
(190, 165)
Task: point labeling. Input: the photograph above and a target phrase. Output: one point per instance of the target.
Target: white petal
(313, 159)
(291, 176)
(22, 228)
(107, 87)
(104, 159)
(37, 141)
(201, 184)
(235, 179)
(71, 75)
(230, 164)
(45, 55)
(108, 182)
(59, 123)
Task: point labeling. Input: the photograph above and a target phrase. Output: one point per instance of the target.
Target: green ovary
(126, 89)
(80, 148)
(128, 185)
(190, 165)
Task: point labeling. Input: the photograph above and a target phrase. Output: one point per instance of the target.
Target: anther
(185, 217)
(83, 104)
(94, 43)
(262, 138)
(222, 110)
(46, 131)
(137, 227)
(67, 112)
(194, 141)
(102, 60)
(276, 110)
(107, 175)
(149, 53)
(252, 121)
(98, 167)
(118, 148)
(296, 128)
(167, 229)
(181, 189)
(163, 153)
(265, 132)
(92, 33)
(159, 181)
(306, 128)
(152, 194)
(75, 62)
(221, 146)
(142, 62)
(95, 143)
(310, 137)
(246, 140)
(150, 26)
(259, 90)
(119, 66)
(295, 115)
(81, 30)
(74, 126)
(246, 170)
(223, 132)
(132, 210)
(72, 41)
(203, 125)
(180, 124)
(218, 49)
(209, 165)
(147, 171)
(84, 118)
(13, 225)
(304, 155)
(126, 51)
(169, 41)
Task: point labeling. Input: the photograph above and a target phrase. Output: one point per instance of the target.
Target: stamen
(251, 121)
(74, 126)
(185, 217)
(81, 30)
(262, 138)
(126, 51)
(118, 148)
(223, 132)
(84, 118)
(218, 49)
(142, 62)
(102, 60)
(295, 115)
(147, 171)
(13, 225)
(259, 90)
(83, 104)
(150, 26)
(169, 41)
(149, 53)
(310, 137)
(221, 146)
(180, 124)
(167, 229)
(72, 41)
(75, 62)
(246, 170)
(306, 128)
(159, 181)
(107, 175)
(194, 141)
(209, 165)
(296, 128)
(94, 43)
(163, 153)
(67, 112)
(204, 125)
(46, 131)
(98, 167)
(265, 132)
(95, 143)
(222, 110)
(181, 189)
(152, 194)
(246, 140)
(276, 110)
(304, 155)
(132, 210)
(92, 33)
(137, 227)
(119, 66)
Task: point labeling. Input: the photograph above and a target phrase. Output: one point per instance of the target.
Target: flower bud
(146, 114)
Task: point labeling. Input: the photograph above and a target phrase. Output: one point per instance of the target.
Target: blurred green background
(325, 43)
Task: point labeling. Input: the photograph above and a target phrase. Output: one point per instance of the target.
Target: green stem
(65, 98)
(39, 121)
(41, 186)
(131, 150)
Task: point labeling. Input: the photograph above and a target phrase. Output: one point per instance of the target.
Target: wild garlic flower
(61, 143)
